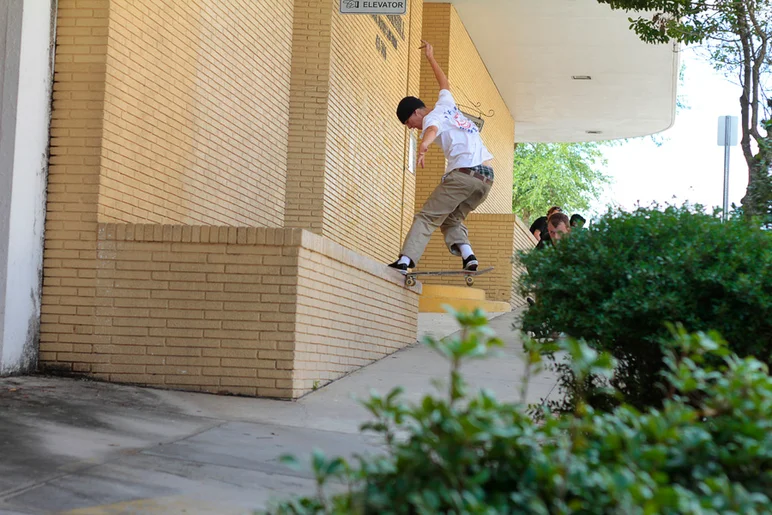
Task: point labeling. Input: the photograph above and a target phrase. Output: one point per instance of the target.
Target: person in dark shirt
(577, 221)
(539, 229)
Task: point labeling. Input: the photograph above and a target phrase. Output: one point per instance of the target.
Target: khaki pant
(447, 208)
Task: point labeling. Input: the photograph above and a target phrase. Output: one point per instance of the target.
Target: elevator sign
(373, 6)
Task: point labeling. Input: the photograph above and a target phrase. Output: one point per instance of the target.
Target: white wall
(26, 62)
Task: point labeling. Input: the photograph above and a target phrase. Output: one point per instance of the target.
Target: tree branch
(756, 71)
(742, 27)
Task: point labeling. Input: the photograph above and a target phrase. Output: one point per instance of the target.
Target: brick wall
(267, 312)
(69, 265)
(493, 244)
(436, 30)
(346, 318)
(347, 177)
(196, 121)
(414, 83)
(470, 84)
(198, 307)
(367, 185)
(192, 114)
(308, 112)
(494, 231)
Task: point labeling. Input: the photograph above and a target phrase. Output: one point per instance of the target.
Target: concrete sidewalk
(84, 447)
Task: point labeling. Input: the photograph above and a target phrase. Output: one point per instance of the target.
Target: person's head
(577, 221)
(558, 226)
(553, 210)
(538, 227)
(411, 112)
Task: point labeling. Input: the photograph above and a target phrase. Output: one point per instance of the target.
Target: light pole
(727, 137)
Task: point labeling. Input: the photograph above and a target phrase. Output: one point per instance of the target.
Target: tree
(562, 174)
(737, 36)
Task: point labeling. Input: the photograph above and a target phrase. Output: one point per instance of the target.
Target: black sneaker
(401, 267)
(470, 263)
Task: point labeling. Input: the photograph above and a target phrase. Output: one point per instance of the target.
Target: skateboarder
(468, 176)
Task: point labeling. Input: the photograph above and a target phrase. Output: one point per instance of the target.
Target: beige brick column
(409, 190)
(436, 29)
(309, 97)
(70, 274)
(493, 230)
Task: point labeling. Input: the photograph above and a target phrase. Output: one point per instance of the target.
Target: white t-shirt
(457, 135)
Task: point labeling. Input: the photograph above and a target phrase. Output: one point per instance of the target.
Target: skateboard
(468, 275)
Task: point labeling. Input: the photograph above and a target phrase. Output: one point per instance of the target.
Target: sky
(689, 164)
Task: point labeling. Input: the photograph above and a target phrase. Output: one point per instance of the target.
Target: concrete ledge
(249, 311)
(249, 236)
(456, 292)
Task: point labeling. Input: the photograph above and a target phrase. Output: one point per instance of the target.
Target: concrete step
(452, 292)
(434, 304)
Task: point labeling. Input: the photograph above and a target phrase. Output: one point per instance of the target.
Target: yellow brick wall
(309, 91)
(436, 30)
(187, 307)
(492, 227)
(414, 88)
(367, 185)
(493, 247)
(470, 84)
(247, 311)
(69, 268)
(184, 113)
(196, 112)
(196, 307)
(347, 315)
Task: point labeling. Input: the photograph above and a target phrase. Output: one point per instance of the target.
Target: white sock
(466, 250)
(404, 260)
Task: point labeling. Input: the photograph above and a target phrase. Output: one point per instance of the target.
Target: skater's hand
(422, 149)
(442, 79)
(429, 49)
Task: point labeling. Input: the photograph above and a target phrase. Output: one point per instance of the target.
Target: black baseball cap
(407, 106)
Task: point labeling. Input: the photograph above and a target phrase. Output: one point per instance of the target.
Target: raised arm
(438, 73)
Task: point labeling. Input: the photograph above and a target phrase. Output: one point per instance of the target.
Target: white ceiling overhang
(533, 48)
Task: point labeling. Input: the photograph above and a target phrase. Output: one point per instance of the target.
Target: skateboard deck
(469, 275)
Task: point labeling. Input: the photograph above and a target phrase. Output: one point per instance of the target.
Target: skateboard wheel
(469, 280)
(410, 281)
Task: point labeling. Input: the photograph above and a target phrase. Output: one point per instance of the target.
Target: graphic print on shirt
(457, 119)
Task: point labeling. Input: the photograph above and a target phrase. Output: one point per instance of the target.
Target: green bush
(617, 283)
(707, 451)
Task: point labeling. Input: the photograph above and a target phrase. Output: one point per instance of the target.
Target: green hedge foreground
(617, 284)
(708, 450)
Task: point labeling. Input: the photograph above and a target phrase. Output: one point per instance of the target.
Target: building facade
(222, 183)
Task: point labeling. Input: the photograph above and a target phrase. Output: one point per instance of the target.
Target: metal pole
(727, 128)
